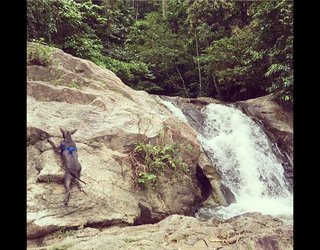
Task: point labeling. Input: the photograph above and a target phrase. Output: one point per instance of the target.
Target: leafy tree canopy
(230, 50)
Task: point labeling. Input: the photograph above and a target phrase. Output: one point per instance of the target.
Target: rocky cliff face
(110, 117)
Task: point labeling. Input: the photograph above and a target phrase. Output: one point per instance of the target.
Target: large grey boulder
(110, 117)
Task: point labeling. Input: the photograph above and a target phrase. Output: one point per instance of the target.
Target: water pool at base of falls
(278, 207)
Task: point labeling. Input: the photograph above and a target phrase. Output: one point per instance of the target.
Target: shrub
(149, 160)
(39, 54)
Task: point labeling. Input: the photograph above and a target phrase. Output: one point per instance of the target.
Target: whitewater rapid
(243, 154)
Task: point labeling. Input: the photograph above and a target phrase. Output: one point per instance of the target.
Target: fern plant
(149, 160)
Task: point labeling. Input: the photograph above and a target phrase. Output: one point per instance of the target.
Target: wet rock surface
(277, 122)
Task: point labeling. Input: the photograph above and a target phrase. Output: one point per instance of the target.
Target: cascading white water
(243, 154)
(249, 168)
(174, 110)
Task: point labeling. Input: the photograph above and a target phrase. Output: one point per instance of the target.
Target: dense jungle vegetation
(229, 50)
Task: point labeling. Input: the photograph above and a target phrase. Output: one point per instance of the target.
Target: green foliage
(42, 19)
(145, 178)
(276, 40)
(84, 46)
(251, 57)
(155, 43)
(235, 49)
(39, 54)
(237, 65)
(217, 16)
(135, 74)
(70, 12)
(157, 158)
(88, 30)
(75, 85)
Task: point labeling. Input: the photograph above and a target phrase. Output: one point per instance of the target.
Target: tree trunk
(164, 8)
(198, 63)
(182, 80)
(216, 86)
(172, 82)
(136, 3)
(244, 13)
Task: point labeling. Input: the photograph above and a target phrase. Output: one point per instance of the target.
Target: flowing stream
(243, 154)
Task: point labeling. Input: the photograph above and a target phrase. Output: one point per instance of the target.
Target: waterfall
(243, 154)
(175, 110)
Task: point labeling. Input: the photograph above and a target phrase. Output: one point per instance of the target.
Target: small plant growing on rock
(62, 233)
(149, 160)
(49, 179)
(75, 85)
(39, 54)
(146, 177)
